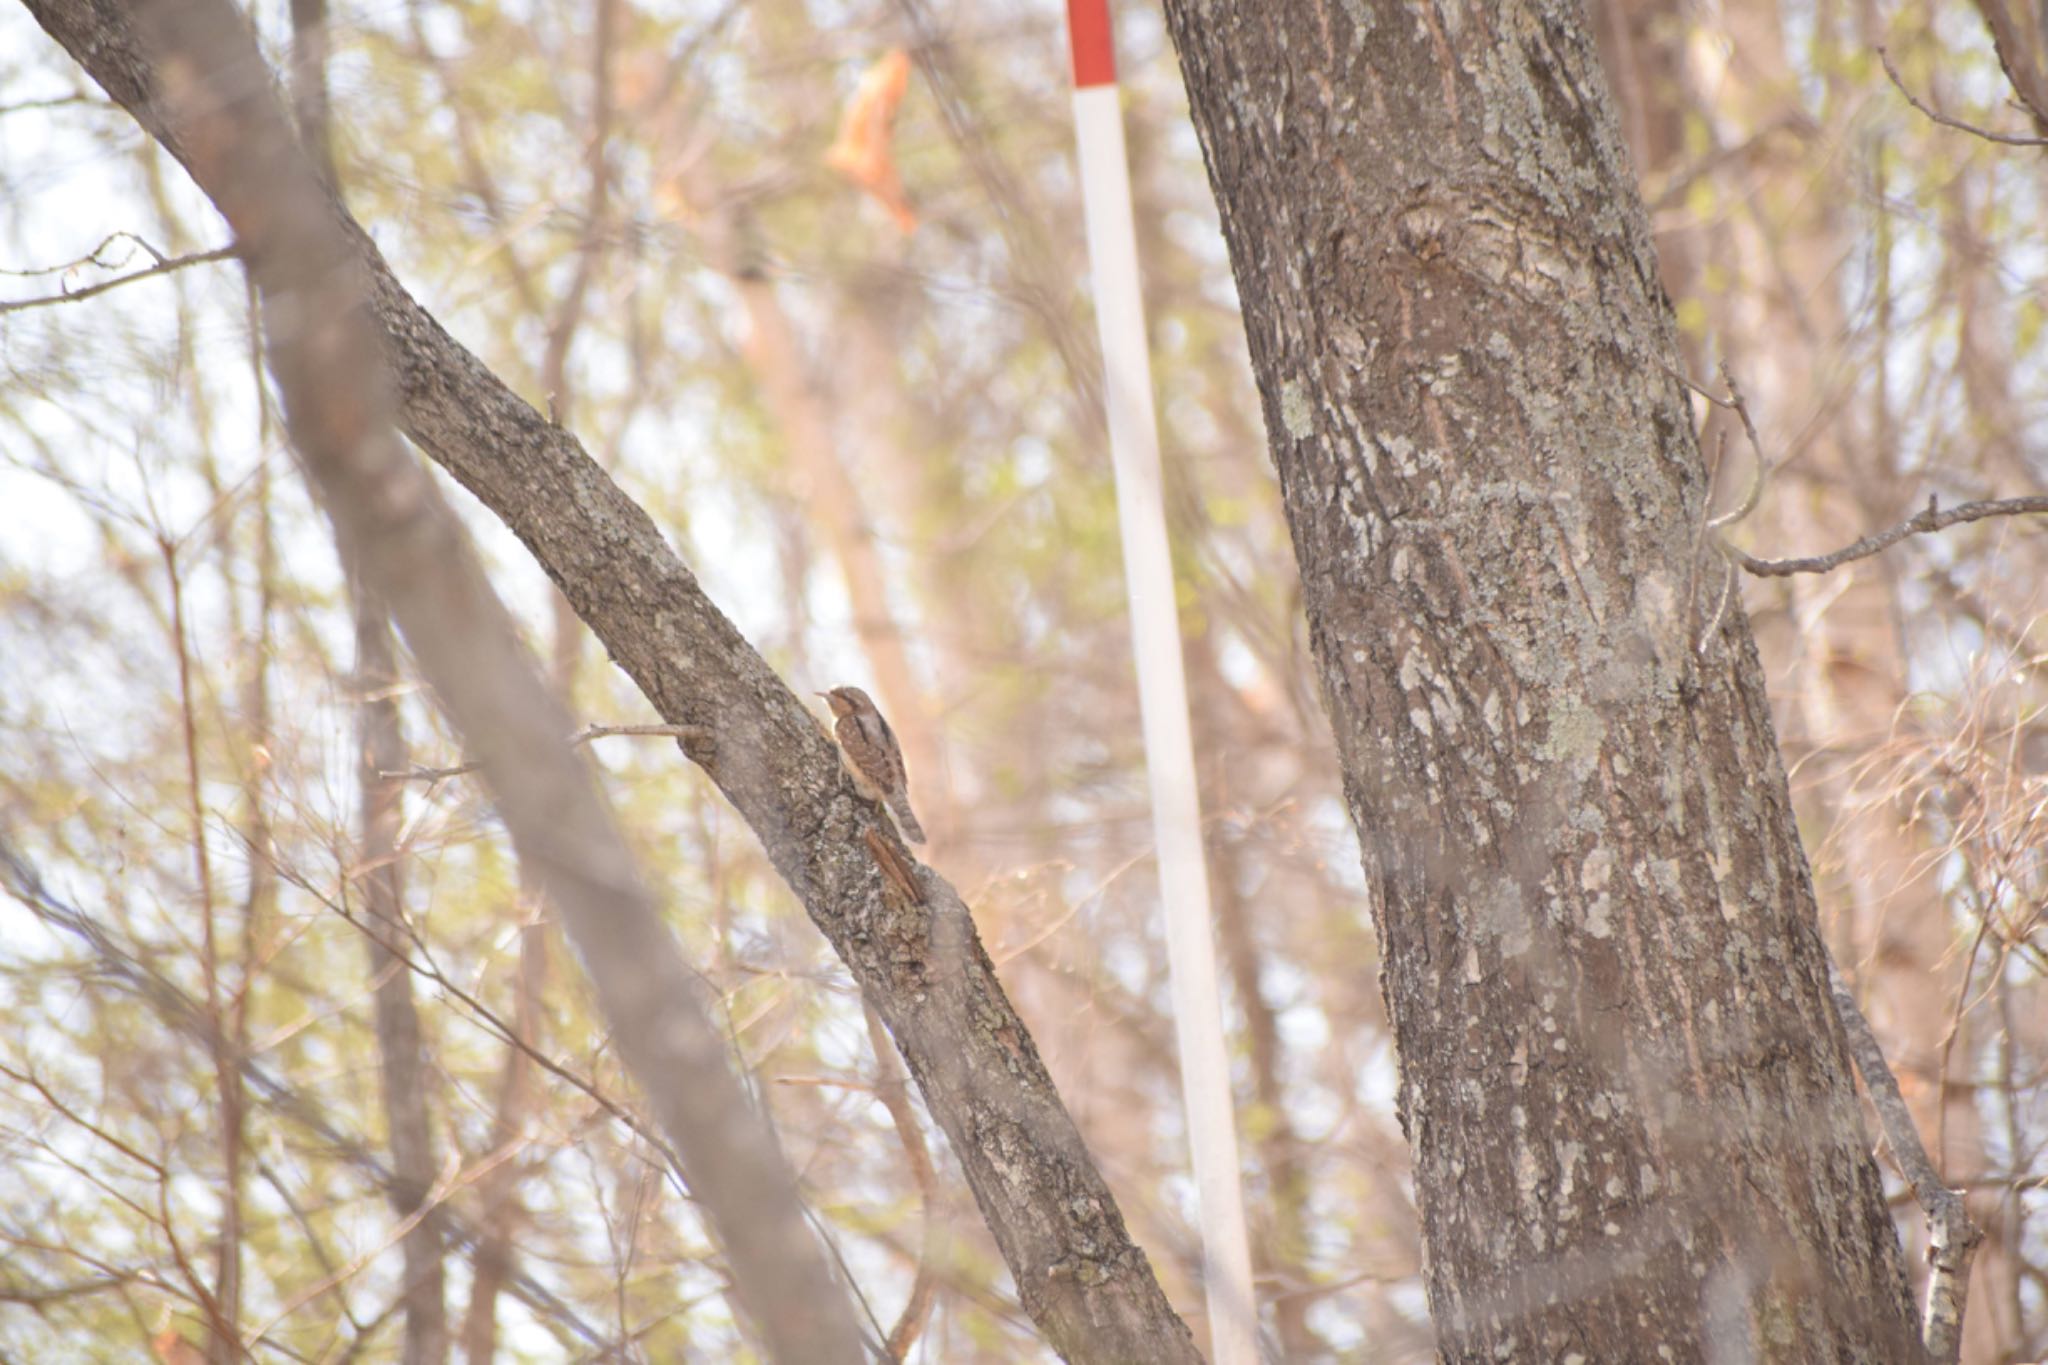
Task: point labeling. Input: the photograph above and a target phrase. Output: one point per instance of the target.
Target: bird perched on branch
(869, 748)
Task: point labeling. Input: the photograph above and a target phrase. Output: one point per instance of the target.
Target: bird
(872, 756)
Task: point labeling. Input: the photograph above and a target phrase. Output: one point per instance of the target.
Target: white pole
(1162, 687)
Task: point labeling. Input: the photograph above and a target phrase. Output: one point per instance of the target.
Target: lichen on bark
(1634, 1126)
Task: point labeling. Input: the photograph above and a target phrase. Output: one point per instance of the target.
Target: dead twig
(164, 266)
(583, 736)
(1739, 405)
(2009, 139)
(1710, 525)
(54, 102)
(1930, 518)
(188, 1018)
(2018, 58)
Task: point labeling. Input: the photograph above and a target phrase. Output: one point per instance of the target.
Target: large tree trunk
(1817, 378)
(1631, 1113)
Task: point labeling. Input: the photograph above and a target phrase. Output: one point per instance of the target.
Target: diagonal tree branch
(1928, 518)
(2009, 139)
(2018, 44)
(918, 960)
(1952, 1237)
(396, 531)
(380, 804)
(164, 266)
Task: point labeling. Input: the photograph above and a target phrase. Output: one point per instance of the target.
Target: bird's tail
(899, 806)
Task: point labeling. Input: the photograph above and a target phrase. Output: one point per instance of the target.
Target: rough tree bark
(1817, 382)
(918, 959)
(1634, 1127)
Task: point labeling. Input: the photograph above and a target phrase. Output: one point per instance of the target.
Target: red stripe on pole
(1094, 50)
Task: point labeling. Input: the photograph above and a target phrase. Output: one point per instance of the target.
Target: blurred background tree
(871, 421)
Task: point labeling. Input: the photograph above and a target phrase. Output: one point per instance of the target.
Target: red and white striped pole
(1162, 686)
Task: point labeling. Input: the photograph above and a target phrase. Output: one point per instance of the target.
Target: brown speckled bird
(868, 746)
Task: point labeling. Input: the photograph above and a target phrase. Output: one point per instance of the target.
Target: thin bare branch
(35, 1083)
(2019, 56)
(164, 266)
(2008, 139)
(583, 736)
(1710, 524)
(1930, 518)
(97, 256)
(1762, 472)
(185, 1015)
(507, 1031)
(55, 102)
(216, 96)
(1737, 404)
(923, 964)
(38, 1296)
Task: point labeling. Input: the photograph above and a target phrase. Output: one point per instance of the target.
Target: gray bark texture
(1634, 1127)
(915, 953)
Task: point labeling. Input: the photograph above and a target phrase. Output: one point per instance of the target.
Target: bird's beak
(826, 695)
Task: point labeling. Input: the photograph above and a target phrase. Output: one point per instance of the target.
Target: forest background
(869, 416)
